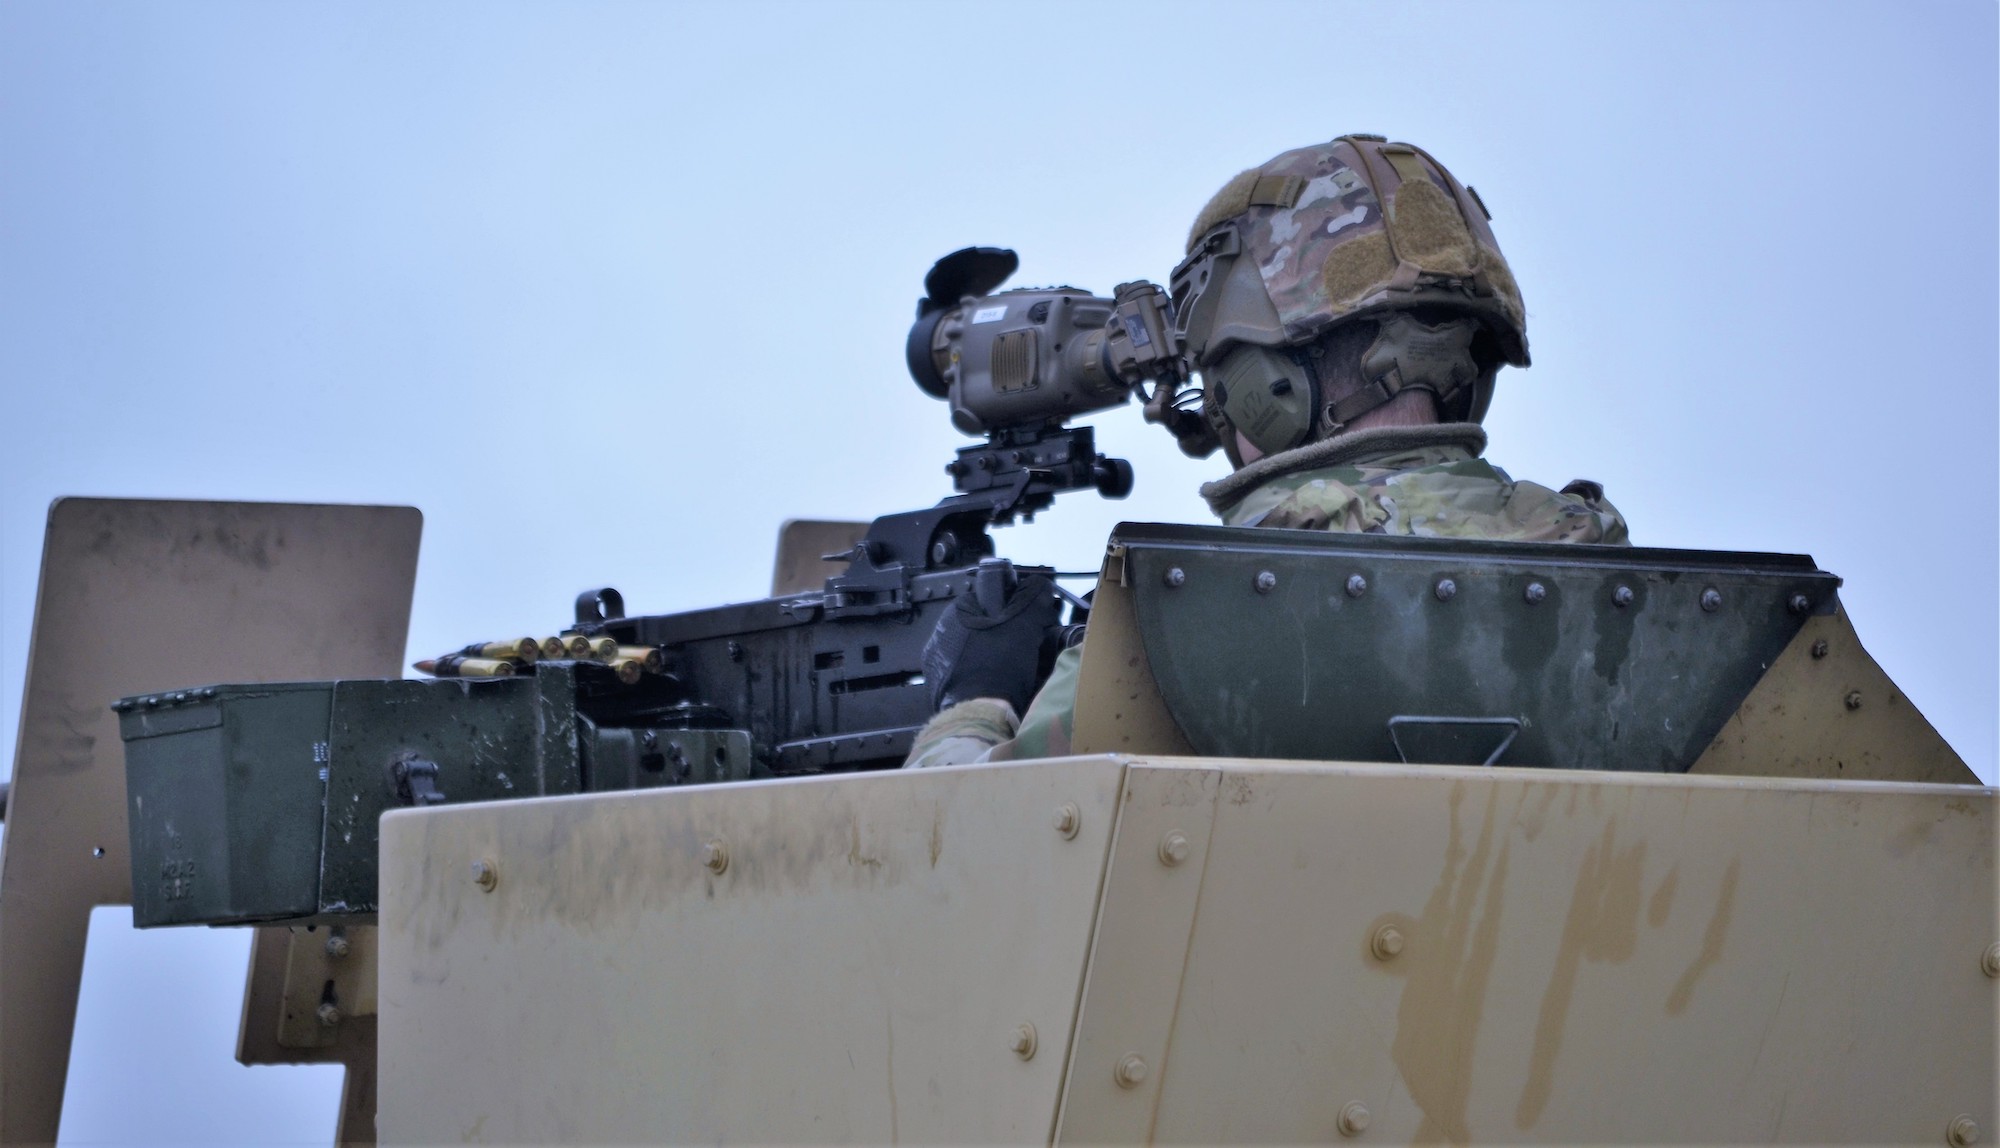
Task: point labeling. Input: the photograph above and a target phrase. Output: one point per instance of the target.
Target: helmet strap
(1408, 355)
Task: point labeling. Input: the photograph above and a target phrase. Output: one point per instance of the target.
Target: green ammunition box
(260, 803)
(223, 790)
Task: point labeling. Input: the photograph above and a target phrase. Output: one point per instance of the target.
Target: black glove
(977, 653)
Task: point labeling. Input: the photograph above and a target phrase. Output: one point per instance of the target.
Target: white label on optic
(989, 314)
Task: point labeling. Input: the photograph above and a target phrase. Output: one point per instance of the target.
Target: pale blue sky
(374, 252)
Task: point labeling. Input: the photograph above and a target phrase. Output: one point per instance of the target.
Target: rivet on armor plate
(1853, 699)
(1174, 848)
(1266, 581)
(1621, 597)
(1068, 819)
(1023, 1042)
(1356, 585)
(1354, 1118)
(1535, 593)
(1711, 599)
(1386, 943)
(1131, 1070)
(337, 946)
(714, 855)
(1964, 1131)
(1819, 648)
(1990, 962)
(485, 874)
(328, 1014)
(1445, 589)
(1176, 576)
(1800, 604)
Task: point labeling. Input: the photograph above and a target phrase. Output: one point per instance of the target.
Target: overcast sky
(640, 274)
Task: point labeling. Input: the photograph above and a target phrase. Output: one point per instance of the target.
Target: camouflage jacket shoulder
(1411, 480)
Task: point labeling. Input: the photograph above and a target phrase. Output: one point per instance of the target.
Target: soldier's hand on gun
(989, 644)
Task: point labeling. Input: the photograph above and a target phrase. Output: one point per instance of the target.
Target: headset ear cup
(1212, 394)
(1267, 395)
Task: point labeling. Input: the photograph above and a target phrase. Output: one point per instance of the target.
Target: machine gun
(813, 681)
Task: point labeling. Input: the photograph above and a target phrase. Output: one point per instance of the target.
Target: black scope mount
(1016, 472)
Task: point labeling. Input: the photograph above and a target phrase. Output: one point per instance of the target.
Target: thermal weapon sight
(1037, 355)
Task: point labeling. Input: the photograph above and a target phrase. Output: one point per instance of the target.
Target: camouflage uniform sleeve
(1578, 512)
(962, 734)
(1045, 730)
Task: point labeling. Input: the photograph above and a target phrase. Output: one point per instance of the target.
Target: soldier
(1347, 308)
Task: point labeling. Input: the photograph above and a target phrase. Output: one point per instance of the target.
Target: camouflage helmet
(1339, 231)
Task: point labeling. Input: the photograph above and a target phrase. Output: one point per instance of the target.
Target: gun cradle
(254, 804)
(258, 804)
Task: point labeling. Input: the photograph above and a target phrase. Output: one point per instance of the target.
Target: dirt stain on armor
(1450, 961)
(855, 856)
(1663, 898)
(1603, 925)
(1531, 825)
(1711, 942)
(1912, 836)
(59, 732)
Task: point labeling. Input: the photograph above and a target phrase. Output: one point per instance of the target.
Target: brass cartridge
(462, 666)
(649, 657)
(519, 649)
(479, 668)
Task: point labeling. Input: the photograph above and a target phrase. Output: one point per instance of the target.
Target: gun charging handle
(996, 580)
(993, 582)
(1111, 476)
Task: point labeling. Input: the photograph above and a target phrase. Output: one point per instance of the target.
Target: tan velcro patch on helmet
(1276, 191)
(1501, 279)
(1232, 201)
(1357, 267)
(1429, 231)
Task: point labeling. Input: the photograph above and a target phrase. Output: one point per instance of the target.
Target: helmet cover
(1342, 229)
